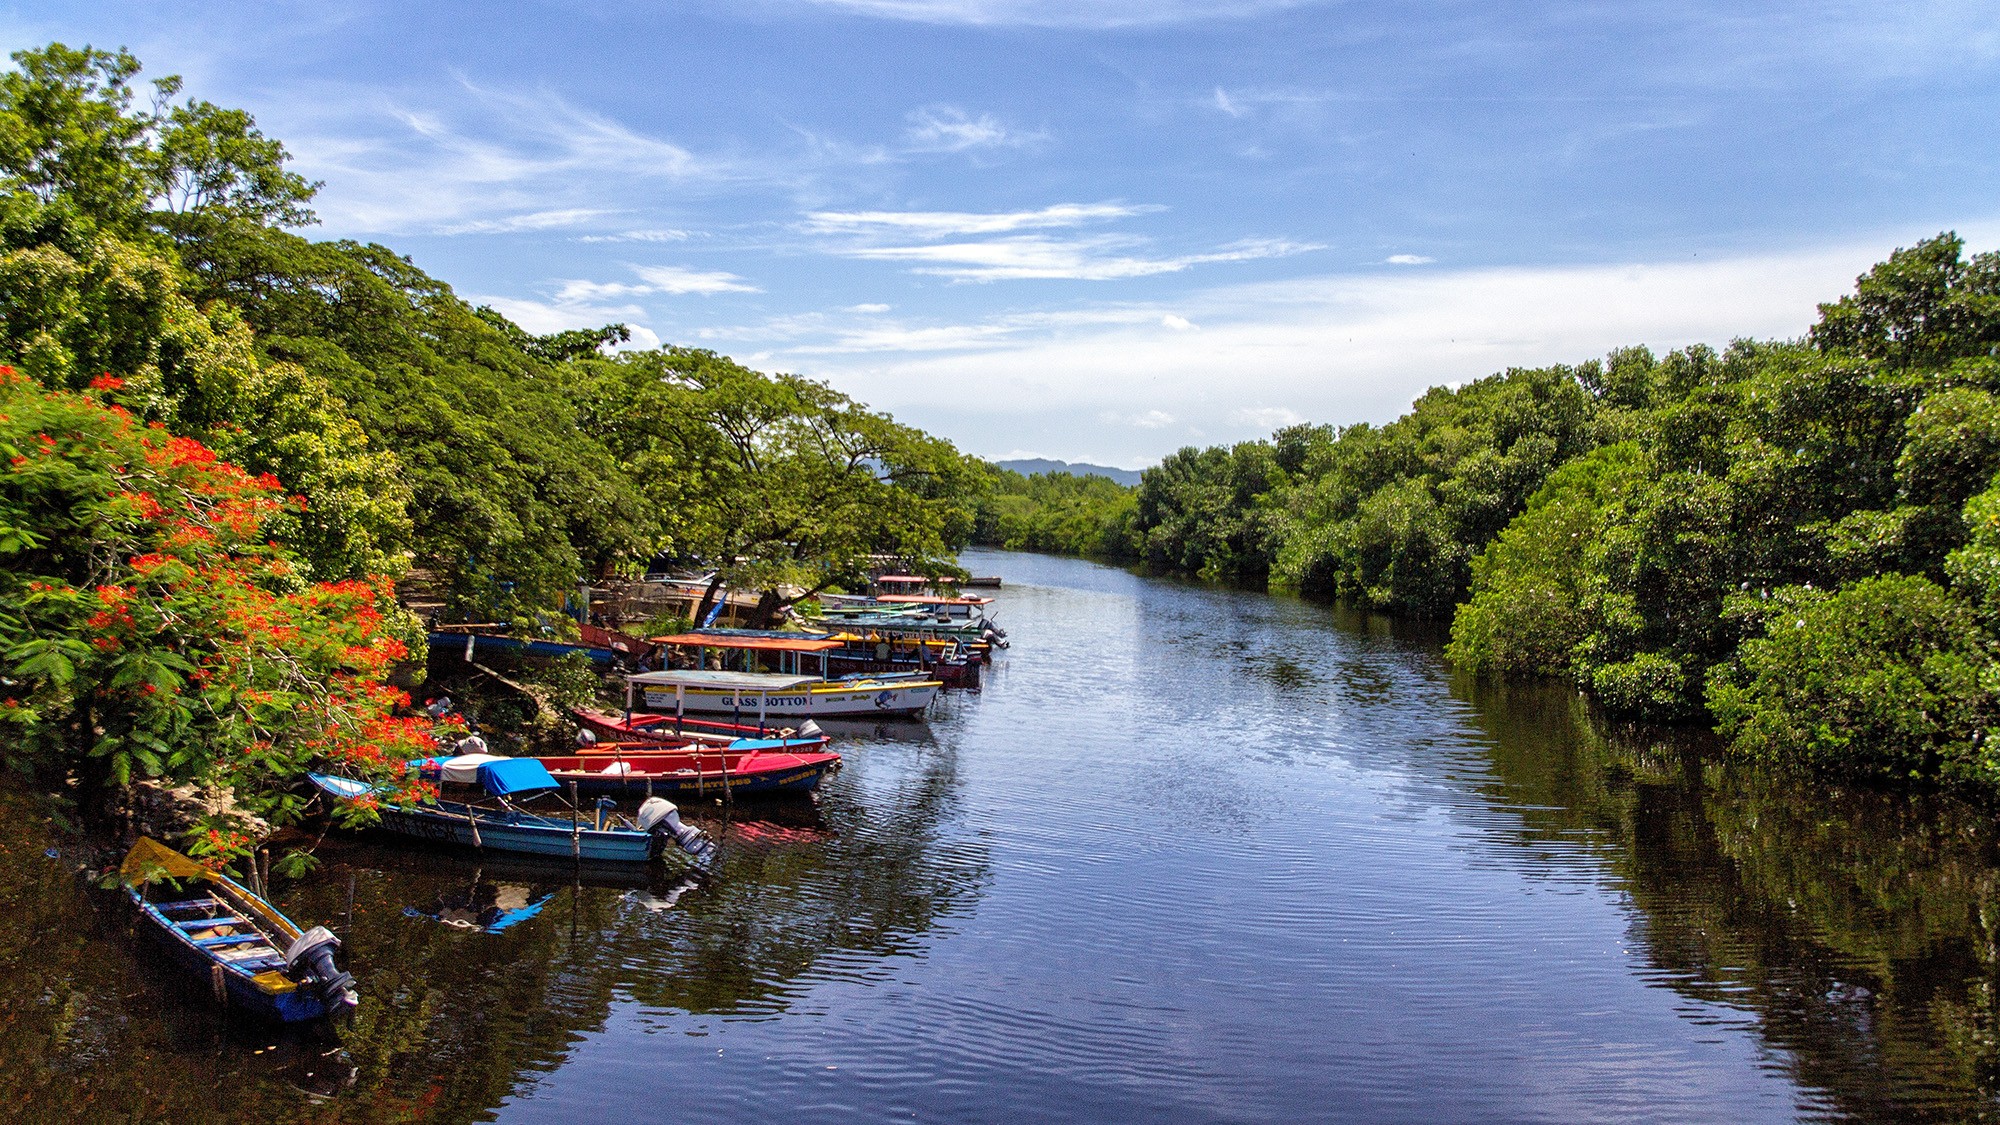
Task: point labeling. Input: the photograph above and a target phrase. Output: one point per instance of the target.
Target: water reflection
(1855, 928)
(457, 1017)
(1194, 854)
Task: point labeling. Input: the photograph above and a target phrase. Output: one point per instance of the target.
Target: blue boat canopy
(514, 775)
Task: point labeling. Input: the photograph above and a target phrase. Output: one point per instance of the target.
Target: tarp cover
(726, 681)
(463, 769)
(149, 860)
(514, 775)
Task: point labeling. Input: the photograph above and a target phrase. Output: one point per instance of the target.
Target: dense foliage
(198, 565)
(152, 629)
(1060, 513)
(1797, 539)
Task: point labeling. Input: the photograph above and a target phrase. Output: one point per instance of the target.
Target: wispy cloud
(665, 235)
(1407, 260)
(1145, 420)
(486, 161)
(1038, 257)
(1334, 348)
(1101, 14)
(947, 128)
(678, 280)
(529, 221)
(946, 224)
(1265, 417)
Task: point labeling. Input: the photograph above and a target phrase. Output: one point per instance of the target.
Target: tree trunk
(707, 600)
(769, 604)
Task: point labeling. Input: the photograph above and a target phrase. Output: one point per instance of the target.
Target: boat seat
(217, 920)
(245, 957)
(229, 939)
(188, 904)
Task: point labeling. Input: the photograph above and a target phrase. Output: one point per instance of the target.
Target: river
(1191, 854)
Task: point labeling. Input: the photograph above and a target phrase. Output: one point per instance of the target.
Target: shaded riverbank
(1193, 855)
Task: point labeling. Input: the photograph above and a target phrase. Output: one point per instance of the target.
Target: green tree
(1890, 676)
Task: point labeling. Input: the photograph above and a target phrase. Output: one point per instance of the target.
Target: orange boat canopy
(930, 599)
(761, 644)
(905, 579)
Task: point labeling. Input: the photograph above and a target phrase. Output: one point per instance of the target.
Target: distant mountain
(1127, 477)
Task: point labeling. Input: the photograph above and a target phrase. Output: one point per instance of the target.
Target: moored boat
(670, 732)
(497, 823)
(749, 767)
(256, 959)
(786, 691)
(763, 696)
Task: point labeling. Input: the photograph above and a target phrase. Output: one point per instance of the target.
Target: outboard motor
(471, 744)
(809, 729)
(661, 816)
(585, 737)
(310, 960)
(993, 636)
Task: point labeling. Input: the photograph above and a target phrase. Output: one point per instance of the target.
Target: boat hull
(664, 732)
(815, 701)
(469, 642)
(266, 994)
(752, 773)
(448, 822)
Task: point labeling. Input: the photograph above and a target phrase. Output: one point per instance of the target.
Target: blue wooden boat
(253, 957)
(452, 642)
(497, 823)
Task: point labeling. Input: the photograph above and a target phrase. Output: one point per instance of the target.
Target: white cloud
(868, 308)
(1407, 260)
(1177, 323)
(947, 128)
(1224, 103)
(1025, 257)
(1102, 14)
(1148, 420)
(1264, 418)
(528, 221)
(637, 236)
(1334, 348)
(474, 161)
(679, 280)
(945, 224)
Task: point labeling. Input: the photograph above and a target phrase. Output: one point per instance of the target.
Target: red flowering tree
(150, 628)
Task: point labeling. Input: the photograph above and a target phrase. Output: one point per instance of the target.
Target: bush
(1890, 676)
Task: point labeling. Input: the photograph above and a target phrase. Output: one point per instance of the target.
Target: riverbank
(1191, 853)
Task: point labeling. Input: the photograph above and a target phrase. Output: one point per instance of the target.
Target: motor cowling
(661, 816)
(809, 729)
(310, 960)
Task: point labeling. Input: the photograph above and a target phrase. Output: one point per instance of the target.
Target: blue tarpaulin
(514, 775)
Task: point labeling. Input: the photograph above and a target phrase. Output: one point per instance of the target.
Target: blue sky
(1103, 229)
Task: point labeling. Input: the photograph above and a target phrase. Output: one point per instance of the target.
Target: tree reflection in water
(454, 1020)
(1855, 927)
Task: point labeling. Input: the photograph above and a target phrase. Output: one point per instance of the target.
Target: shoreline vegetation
(224, 442)
(1795, 541)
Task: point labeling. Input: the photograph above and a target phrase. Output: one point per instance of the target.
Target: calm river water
(1191, 855)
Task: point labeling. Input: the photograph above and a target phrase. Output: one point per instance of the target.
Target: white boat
(758, 695)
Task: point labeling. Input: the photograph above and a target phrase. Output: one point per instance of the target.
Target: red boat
(748, 767)
(663, 730)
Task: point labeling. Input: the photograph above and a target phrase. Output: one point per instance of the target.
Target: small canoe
(748, 767)
(256, 959)
(499, 824)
